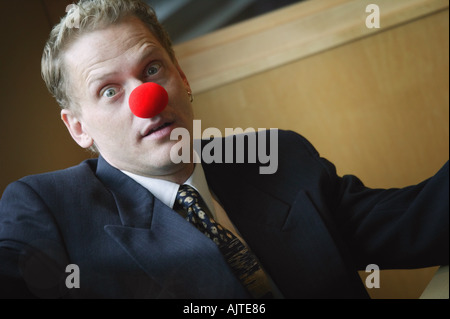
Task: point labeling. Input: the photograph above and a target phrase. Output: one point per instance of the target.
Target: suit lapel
(167, 247)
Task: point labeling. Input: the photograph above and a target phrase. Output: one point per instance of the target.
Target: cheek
(106, 126)
(177, 88)
(185, 113)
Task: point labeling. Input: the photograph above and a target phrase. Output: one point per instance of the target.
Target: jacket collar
(167, 247)
(135, 210)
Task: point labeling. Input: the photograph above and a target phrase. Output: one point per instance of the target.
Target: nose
(148, 100)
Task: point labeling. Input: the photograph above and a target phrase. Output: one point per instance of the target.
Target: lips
(155, 128)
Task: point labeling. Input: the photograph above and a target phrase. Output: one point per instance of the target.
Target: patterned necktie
(241, 260)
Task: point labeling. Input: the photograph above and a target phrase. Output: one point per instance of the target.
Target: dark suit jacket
(311, 230)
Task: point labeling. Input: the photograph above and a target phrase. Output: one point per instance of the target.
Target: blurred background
(188, 19)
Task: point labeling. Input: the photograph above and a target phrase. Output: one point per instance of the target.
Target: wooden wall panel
(289, 34)
(377, 107)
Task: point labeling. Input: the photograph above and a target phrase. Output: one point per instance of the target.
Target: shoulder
(51, 182)
(285, 141)
(72, 174)
(269, 156)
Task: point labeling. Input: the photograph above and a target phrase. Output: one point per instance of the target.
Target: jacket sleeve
(32, 259)
(394, 228)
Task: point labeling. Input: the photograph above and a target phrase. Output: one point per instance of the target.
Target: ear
(76, 129)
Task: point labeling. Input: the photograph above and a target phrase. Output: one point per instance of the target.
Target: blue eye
(153, 69)
(109, 93)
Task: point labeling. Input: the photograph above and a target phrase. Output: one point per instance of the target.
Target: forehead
(98, 49)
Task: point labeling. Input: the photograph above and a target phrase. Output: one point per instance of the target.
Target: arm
(30, 245)
(395, 228)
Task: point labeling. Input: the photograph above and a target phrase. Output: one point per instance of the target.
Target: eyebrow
(93, 83)
(149, 50)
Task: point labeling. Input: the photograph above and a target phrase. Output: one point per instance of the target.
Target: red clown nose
(148, 100)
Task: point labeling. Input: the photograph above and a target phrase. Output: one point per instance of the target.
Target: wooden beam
(286, 35)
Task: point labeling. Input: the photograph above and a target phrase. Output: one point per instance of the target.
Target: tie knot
(187, 196)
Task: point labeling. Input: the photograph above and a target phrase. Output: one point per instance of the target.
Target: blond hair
(84, 17)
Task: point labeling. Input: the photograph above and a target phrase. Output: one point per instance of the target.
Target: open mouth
(159, 128)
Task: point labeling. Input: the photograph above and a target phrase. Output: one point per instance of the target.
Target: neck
(181, 176)
(176, 173)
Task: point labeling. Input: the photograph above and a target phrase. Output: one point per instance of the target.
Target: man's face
(104, 67)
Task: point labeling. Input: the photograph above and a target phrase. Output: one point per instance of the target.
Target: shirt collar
(166, 191)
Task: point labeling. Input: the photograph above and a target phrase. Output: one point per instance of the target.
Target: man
(114, 220)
